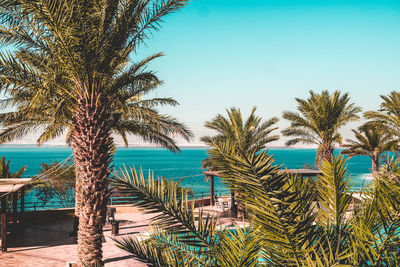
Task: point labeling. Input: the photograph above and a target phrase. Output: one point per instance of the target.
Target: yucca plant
(288, 227)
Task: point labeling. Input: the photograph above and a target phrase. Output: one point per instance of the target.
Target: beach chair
(217, 204)
(224, 203)
(229, 204)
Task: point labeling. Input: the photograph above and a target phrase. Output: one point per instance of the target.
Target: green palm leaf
(319, 120)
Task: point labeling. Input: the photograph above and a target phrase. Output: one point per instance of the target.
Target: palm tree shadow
(118, 259)
(43, 230)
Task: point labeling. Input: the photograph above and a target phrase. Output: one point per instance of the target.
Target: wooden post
(22, 199)
(15, 213)
(212, 190)
(232, 200)
(21, 212)
(234, 205)
(3, 224)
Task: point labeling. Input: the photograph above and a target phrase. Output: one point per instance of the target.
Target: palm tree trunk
(375, 163)
(92, 146)
(325, 152)
(77, 199)
(77, 187)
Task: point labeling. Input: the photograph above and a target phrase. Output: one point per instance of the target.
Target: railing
(130, 200)
(58, 204)
(43, 205)
(121, 200)
(207, 194)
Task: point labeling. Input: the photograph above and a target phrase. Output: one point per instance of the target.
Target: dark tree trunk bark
(324, 153)
(92, 145)
(77, 200)
(375, 163)
(77, 189)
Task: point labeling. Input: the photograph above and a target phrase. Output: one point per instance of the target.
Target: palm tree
(75, 57)
(247, 136)
(371, 140)
(130, 112)
(319, 120)
(286, 227)
(5, 171)
(388, 114)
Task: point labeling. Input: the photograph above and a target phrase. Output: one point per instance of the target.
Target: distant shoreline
(142, 146)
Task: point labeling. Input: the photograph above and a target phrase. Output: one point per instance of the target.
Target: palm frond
(283, 217)
(175, 216)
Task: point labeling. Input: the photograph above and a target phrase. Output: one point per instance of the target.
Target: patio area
(45, 240)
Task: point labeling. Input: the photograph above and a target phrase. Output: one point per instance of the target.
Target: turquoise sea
(168, 164)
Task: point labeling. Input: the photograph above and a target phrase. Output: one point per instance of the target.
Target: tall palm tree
(319, 120)
(247, 136)
(77, 54)
(371, 140)
(388, 114)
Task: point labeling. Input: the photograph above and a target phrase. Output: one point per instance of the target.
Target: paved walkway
(47, 242)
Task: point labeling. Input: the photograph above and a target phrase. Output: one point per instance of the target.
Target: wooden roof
(301, 172)
(211, 173)
(11, 185)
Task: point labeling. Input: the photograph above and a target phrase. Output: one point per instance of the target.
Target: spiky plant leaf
(175, 215)
(146, 252)
(283, 215)
(376, 224)
(239, 247)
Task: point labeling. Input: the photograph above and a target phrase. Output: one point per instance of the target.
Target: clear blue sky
(264, 53)
(225, 53)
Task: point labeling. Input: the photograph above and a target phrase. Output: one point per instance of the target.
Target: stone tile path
(48, 243)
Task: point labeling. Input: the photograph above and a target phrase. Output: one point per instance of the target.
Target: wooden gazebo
(298, 172)
(11, 187)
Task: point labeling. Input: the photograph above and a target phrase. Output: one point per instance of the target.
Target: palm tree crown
(389, 113)
(131, 113)
(319, 120)
(371, 140)
(247, 136)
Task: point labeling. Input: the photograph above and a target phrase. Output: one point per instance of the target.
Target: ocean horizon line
(181, 146)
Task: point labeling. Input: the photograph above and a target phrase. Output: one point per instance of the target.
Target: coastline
(182, 146)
